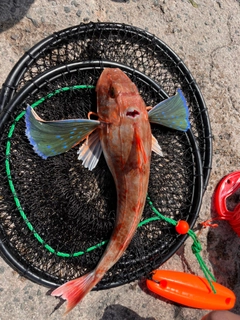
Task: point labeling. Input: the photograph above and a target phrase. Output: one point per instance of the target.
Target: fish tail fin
(75, 290)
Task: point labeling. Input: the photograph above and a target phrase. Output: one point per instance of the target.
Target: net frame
(143, 263)
(124, 44)
(30, 73)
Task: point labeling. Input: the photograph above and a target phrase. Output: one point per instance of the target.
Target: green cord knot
(196, 247)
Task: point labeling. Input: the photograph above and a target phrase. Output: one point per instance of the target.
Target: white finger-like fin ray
(90, 151)
(156, 147)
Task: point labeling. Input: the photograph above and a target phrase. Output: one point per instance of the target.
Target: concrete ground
(206, 36)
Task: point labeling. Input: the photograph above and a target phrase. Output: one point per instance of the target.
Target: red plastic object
(182, 227)
(227, 187)
(190, 290)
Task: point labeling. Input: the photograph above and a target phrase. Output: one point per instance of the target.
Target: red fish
(123, 133)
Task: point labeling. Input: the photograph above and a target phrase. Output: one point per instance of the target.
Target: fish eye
(111, 92)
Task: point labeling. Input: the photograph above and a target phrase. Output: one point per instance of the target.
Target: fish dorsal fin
(50, 138)
(156, 147)
(172, 112)
(90, 151)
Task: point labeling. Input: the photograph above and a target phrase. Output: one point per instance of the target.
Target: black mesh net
(70, 209)
(55, 215)
(124, 44)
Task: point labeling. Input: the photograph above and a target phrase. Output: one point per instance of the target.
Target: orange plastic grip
(190, 290)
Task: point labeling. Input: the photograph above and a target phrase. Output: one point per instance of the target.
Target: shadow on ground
(12, 11)
(118, 312)
(223, 246)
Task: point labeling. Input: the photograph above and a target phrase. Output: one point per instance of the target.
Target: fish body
(126, 141)
(123, 133)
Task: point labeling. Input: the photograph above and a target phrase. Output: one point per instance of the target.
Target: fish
(122, 132)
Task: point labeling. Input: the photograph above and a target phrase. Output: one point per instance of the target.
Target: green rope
(196, 247)
(16, 199)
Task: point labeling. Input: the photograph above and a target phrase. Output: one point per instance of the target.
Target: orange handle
(190, 290)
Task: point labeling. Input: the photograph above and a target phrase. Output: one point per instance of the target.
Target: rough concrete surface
(206, 36)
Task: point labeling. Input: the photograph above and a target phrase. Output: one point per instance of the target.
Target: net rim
(5, 248)
(12, 80)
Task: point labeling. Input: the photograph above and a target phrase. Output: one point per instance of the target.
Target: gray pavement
(206, 36)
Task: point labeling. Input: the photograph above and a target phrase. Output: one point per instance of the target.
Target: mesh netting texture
(125, 44)
(73, 209)
(56, 215)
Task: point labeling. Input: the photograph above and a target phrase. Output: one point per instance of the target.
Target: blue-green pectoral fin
(172, 112)
(50, 138)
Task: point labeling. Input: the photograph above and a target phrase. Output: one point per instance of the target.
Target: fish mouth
(132, 113)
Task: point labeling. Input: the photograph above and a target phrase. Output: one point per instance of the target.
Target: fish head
(125, 132)
(118, 97)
